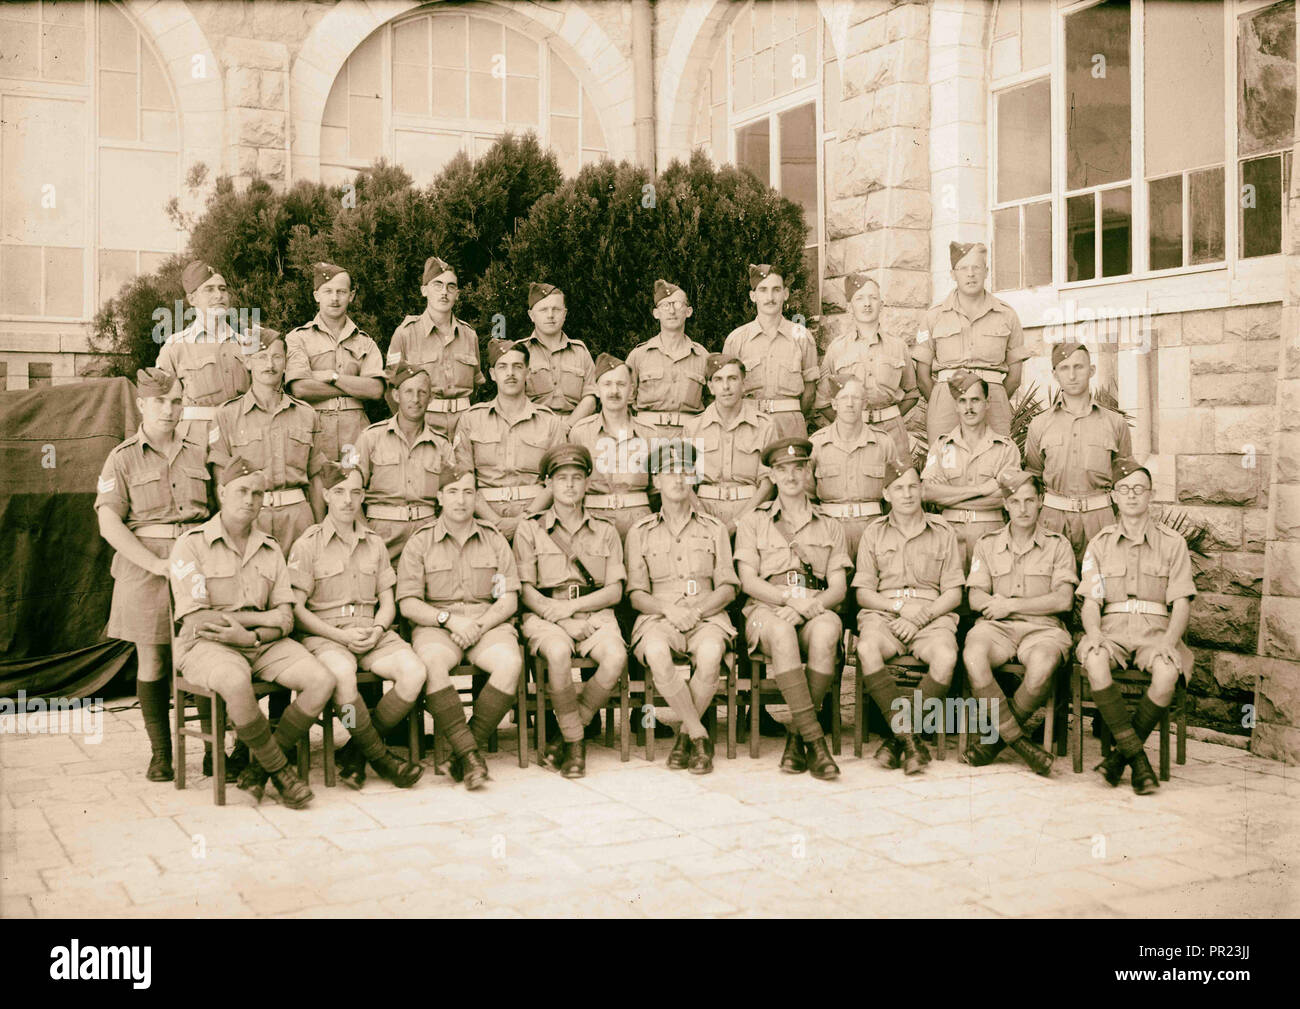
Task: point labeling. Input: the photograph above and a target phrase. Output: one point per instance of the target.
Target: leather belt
(910, 593)
(849, 509)
(198, 413)
(280, 498)
(797, 579)
(969, 515)
(630, 500)
(1138, 606)
(348, 610)
(778, 405)
(888, 413)
(663, 418)
(984, 373)
(399, 513)
(510, 493)
(338, 403)
(165, 530)
(447, 405)
(573, 591)
(1089, 503)
(689, 587)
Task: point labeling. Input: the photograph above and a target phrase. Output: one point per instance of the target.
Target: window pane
(521, 54)
(336, 105)
(783, 20)
(718, 133)
(411, 42)
(1007, 21)
(449, 42)
(564, 88)
(521, 100)
(18, 48)
(115, 269)
(1024, 141)
(799, 163)
(42, 141)
(564, 141)
(117, 105)
(159, 129)
(1182, 90)
(333, 143)
(764, 76)
(1097, 95)
(117, 40)
(1006, 249)
(742, 84)
(1266, 79)
(410, 89)
(752, 150)
(762, 14)
(831, 97)
(424, 155)
(484, 43)
(365, 127)
(154, 93)
(1035, 34)
(1081, 237)
(806, 46)
(20, 280)
(63, 282)
(139, 223)
(1038, 244)
(449, 93)
(1116, 231)
(484, 96)
(365, 67)
(1206, 199)
(1261, 212)
(39, 374)
(742, 34)
(1165, 200)
(151, 261)
(783, 81)
(63, 57)
(592, 135)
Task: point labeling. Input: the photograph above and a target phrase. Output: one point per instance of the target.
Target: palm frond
(1194, 532)
(1025, 408)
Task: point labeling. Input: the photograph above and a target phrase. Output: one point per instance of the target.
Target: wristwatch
(334, 378)
(443, 617)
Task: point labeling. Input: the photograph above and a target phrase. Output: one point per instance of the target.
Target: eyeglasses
(439, 286)
(1131, 490)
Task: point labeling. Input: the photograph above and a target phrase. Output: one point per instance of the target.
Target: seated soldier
(1020, 578)
(571, 573)
(456, 582)
(1136, 584)
(681, 581)
(234, 602)
(792, 563)
(343, 581)
(909, 581)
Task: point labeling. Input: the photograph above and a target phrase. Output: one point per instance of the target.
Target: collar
(426, 321)
(214, 529)
(1148, 532)
(549, 519)
(691, 346)
(529, 409)
(986, 304)
(536, 337)
(330, 528)
(1058, 404)
(349, 328)
(178, 442)
(866, 436)
(985, 443)
(784, 328)
(1005, 542)
(774, 509)
(248, 403)
(441, 532)
(196, 333)
(426, 433)
(692, 512)
(856, 336)
(892, 522)
(746, 415)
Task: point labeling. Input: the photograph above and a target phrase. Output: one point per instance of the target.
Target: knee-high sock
(1113, 710)
(818, 684)
(595, 692)
(883, 689)
(155, 696)
(1147, 717)
(257, 736)
(372, 745)
(703, 689)
(932, 689)
(794, 689)
(1008, 726)
(294, 725)
(1029, 701)
(390, 710)
(564, 702)
(490, 707)
(449, 719)
(678, 695)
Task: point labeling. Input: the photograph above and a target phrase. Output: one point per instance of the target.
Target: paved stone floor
(82, 834)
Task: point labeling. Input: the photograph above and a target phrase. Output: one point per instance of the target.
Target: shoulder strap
(560, 538)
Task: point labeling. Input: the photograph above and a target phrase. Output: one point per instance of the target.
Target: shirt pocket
(651, 385)
(1114, 579)
(531, 447)
(540, 382)
(700, 551)
(201, 378)
(691, 388)
(888, 372)
(1097, 458)
(552, 568)
(430, 474)
(817, 556)
(487, 449)
(297, 450)
(331, 584)
(873, 479)
(989, 342)
(194, 480)
(785, 371)
(386, 469)
(221, 582)
(1038, 575)
(1000, 565)
(570, 378)
(440, 579)
(1153, 583)
(149, 493)
(368, 579)
(831, 483)
(659, 563)
(947, 339)
(482, 572)
(745, 451)
(463, 367)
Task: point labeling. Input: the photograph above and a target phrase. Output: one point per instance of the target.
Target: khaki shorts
(1015, 639)
(390, 644)
(141, 607)
(435, 639)
(655, 626)
(1133, 640)
(939, 632)
(538, 632)
(758, 614)
(268, 663)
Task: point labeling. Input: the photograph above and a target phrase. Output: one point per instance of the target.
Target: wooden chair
(725, 693)
(1132, 684)
(538, 684)
(763, 688)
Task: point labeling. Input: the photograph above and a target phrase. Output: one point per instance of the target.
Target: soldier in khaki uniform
(792, 564)
(503, 442)
(909, 581)
(969, 329)
(571, 572)
(668, 370)
(457, 584)
(441, 344)
(848, 461)
(1136, 585)
(1072, 446)
(343, 582)
(403, 461)
(728, 439)
(561, 373)
(152, 488)
(780, 358)
(234, 602)
(1021, 579)
(681, 580)
(619, 445)
(883, 364)
(278, 434)
(964, 470)
(332, 365)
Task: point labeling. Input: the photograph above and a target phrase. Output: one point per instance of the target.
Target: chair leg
(859, 713)
(219, 748)
(415, 728)
(1180, 706)
(755, 705)
(836, 726)
(731, 710)
(178, 735)
(521, 716)
(1076, 725)
(539, 719)
(624, 714)
(1164, 746)
(327, 742)
(1049, 723)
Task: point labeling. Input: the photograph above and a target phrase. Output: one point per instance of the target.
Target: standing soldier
(153, 487)
(792, 563)
(571, 572)
(343, 583)
(680, 580)
(780, 358)
(969, 329)
(332, 366)
(441, 344)
(457, 584)
(1137, 588)
(883, 364)
(278, 434)
(503, 442)
(561, 373)
(1072, 446)
(402, 461)
(909, 580)
(728, 439)
(668, 370)
(619, 444)
(848, 461)
(965, 468)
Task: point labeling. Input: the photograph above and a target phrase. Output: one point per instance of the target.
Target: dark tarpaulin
(55, 586)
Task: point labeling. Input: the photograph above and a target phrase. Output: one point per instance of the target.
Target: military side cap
(957, 251)
(323, 273)
(1011, 481)
(715, 362)
(672, 455)
(855, 282)
(536, 292)
(498, 349)
(787, 450)
(564, 455)
(962, 381)
(607, 362)
(237, 469)
(196, 275)
(457, 473)
(260, 338)
(332, 474)
(896, 468)
(433, 266)
(1126, 466)
(758, 272)
(663, 289)
(152, 382)
(1060, 351)
(401, 373)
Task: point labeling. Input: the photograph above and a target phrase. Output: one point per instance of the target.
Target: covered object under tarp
(55, 586)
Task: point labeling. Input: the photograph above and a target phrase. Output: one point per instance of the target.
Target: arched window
(90, 156)
(422, 88)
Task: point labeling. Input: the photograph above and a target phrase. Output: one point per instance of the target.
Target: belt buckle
(692, 587)
(905, 593)
(794, 578)
(575, 591)
(348, 610)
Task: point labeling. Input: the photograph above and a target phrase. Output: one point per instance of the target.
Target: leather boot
(701, 756)
(575, 759)
(1144, 778)
(160, 768)
(235, 764)
(471, 768)
(890, 754)
(252, 779)
(294, 792)
(793, 760)
(915, 753)
(680, 756)
(979, 753)
(1038, 759)
(553, 755)
(401, 773)
(821, 765)
(351, 764)
(1112, 767)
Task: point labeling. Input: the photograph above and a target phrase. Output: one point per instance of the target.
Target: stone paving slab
(82, 834)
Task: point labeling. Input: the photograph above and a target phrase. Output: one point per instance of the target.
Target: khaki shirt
(663, 562)
(312, 351)
(1000, 567)
(545, 566)
(1156, 567)
(450, 356)
(435, 568)
(776, 367)
(990, 339)
(282, 443)
(397, 472)
(618, 466)
(662, 382)
(888, 559)
(211, 370)
(1073, 452)
(851, 470)
(728, 453)
(144, 485)
(330, 569)
(770, 552)
(502, 453)
(559, 379)
(953, 461)
(881, 363)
